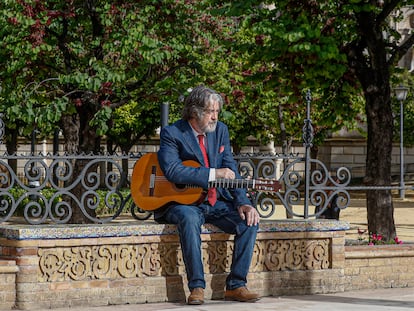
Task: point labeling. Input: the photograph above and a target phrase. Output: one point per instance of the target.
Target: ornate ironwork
(48, 189)
(51, 187)
(308, 128)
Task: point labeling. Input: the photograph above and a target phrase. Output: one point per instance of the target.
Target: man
(228, 209)
(332, 209)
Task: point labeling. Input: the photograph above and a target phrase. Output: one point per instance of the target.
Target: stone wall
(379, 266)
(351, 153)
(8, 270)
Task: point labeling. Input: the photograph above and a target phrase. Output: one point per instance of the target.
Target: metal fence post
(307, 139)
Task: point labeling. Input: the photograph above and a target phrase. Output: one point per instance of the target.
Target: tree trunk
(11, 146)
(72, 127)
(380, 209)
(368, 59)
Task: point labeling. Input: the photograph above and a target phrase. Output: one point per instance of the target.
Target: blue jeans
(189, 219)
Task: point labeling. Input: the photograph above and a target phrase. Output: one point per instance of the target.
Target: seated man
(332, 210)
(199, 136)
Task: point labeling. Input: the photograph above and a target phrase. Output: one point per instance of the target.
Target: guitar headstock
(267, 185)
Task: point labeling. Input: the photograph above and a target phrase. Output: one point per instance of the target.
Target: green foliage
(114, 63)
(280, 51)
(89, 58)
(113, 199)
(409, 122)
(130, 123)
(27, 201)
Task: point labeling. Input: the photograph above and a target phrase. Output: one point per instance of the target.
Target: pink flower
(398, 241)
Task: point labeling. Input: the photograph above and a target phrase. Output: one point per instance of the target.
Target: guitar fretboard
(232, 183)
(257, 184)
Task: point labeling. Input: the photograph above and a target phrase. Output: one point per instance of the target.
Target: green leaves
(64, 59)
(289, 47)
(100, 120)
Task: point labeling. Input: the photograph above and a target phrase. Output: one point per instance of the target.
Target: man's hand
(249, 213)
(225, 173)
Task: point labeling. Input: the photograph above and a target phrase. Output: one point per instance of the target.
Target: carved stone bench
(130, 262)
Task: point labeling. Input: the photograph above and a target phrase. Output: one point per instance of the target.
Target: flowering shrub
(376, 239)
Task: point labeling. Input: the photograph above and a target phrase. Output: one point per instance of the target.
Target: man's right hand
(225, 173)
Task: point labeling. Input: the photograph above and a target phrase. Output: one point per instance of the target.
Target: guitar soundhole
(180, 186)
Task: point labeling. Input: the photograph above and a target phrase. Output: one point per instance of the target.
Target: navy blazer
(178, 144)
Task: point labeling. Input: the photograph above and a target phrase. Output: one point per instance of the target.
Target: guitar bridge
(152, 181)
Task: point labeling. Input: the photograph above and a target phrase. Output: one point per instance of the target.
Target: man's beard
(211, 127)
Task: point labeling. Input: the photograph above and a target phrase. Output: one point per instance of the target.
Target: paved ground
(368, 300)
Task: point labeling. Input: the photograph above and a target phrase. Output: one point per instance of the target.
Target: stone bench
(130, 262)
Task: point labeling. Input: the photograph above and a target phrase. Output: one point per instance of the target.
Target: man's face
(208, 122)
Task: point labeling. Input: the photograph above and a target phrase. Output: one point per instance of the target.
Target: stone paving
(392, 299)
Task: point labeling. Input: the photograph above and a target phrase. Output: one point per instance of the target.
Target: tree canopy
(96, 67)
(71, 63)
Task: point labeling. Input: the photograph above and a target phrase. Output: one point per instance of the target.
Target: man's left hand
(250, 214)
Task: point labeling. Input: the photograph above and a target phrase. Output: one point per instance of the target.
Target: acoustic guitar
(151, 190)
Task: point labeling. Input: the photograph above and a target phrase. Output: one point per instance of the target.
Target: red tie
(212, 195)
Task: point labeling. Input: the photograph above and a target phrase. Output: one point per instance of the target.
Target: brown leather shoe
(241, 294)
(196, 297)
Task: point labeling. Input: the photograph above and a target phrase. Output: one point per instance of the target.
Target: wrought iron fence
(44, 191)
(50, 188)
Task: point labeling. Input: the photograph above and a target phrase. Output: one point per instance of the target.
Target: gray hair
(196, 103)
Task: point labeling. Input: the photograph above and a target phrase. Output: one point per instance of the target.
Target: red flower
(105, 103)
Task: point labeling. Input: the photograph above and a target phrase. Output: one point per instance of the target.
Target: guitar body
(150, 189)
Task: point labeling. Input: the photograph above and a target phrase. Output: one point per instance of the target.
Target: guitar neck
(232, 183)
(265, 185)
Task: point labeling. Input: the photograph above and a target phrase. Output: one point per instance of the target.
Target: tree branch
(387, 10)
(401, 50)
